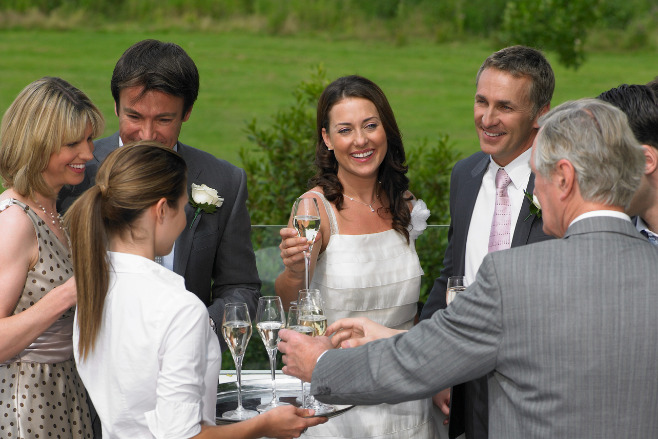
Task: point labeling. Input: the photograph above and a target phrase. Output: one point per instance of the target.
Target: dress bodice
(53, 268)
(42, 380)
(374, 275)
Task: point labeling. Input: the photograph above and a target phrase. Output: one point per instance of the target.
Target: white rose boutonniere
(535, 207)
(204, 199)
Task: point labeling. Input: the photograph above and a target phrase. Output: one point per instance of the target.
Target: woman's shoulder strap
(333, 225)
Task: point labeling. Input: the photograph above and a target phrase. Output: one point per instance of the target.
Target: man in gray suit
(514, 87)
(155, 85)
(565, 329)
(640, 105)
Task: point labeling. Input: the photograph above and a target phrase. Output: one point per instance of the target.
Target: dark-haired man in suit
(640, 105)
(155, 85)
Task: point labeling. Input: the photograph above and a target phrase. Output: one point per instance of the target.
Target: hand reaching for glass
(301, 352)
(442, 401)
(353, 332)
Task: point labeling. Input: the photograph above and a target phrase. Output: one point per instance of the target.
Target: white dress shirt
(477, 242)
(597, 213)
(153, 371)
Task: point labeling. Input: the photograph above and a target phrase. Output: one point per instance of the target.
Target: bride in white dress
(365, 262)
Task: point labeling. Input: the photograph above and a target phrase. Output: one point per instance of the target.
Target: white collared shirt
(597, 213)
(641, 226)
(154, 369)
(477, 242)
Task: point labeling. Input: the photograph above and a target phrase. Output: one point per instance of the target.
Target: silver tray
(256, 390)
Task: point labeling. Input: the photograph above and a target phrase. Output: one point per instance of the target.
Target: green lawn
(430, 86)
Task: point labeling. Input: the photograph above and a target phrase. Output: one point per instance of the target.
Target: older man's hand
(301, 352)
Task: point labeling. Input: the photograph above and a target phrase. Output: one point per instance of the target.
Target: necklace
(372, 209)
(57, 220)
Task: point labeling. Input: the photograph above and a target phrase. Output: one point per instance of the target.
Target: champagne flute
(295, 325)
(270, 318)
(455, 285)
(306, 219)
(236, 329)
(312, 315)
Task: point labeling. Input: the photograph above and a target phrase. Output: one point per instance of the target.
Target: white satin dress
(375, 276)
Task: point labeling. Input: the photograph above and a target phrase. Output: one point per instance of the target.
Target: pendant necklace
(372, 209)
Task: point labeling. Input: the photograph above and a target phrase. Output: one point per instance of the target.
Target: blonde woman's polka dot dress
(39, 398)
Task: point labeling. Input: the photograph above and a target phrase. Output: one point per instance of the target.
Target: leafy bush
(429, 174)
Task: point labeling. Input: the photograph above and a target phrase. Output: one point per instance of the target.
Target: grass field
(245, 76)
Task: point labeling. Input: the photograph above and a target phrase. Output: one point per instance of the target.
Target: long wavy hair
(130, 180)
(392, 172)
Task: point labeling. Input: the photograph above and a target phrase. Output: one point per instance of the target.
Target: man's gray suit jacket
(565, 329)
(215, 254)
(468, 408)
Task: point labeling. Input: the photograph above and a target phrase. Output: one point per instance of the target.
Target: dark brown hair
(392, 172)
(160, 66)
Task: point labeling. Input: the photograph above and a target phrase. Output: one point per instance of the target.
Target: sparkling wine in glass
(311, 315)
(269, 320)
(455, 286)
(295, 325)
(236, 329)
(306, 219)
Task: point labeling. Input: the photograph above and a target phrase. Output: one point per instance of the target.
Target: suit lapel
(468, 194)
(184, 241)
(525, 220)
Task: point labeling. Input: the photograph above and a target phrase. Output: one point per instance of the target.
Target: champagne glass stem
(238, 371)
(272, 354)
(307, 266)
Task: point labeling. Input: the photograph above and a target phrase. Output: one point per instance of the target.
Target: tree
(559, 25)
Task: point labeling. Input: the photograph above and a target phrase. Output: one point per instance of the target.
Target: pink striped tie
(499, 238)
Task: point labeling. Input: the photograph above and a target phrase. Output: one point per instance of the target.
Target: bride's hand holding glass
(292, 250)
(306, 220)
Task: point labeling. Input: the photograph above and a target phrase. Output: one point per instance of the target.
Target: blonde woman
(45, 141)
(143, 343)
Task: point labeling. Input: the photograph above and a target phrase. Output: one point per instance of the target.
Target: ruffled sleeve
(419, 215)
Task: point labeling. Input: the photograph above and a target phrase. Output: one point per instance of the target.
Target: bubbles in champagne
(317, 322)
(269, 333)
(307, 226)
(237, 334)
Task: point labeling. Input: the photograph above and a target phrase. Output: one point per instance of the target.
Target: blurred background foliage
(560, 25)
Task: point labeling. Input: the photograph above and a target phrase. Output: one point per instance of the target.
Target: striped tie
(501, 223)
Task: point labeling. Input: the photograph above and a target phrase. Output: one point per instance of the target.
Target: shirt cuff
(318, 360)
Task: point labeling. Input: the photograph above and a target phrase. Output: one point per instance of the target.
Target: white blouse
(153, 371)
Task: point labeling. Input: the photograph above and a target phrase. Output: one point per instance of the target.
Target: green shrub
(429, 174)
